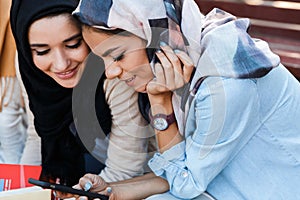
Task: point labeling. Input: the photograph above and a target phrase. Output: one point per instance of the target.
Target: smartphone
(67, 189)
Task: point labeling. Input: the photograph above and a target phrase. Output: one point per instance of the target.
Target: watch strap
(169, 118)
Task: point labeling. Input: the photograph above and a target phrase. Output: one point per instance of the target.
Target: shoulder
(233, 86)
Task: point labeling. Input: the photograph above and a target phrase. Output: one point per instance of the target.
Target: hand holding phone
(67, 189)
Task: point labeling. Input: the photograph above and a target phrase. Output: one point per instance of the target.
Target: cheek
(81, 54)
(106, 64)
(41, 62)
(135, 62)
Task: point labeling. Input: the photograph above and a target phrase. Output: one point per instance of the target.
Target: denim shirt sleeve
(217, 127)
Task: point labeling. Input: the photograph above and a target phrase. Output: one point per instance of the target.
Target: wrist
(161, 122)
(161, 98)
(161, 103)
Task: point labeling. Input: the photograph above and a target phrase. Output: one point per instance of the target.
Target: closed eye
(74, 46)
(41, 53)
(119, 57)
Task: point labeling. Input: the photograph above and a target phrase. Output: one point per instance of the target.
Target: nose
(113, 71)
(61, 60)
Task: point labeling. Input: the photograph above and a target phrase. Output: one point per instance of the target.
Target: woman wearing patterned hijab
(51, 55)
(235, 133)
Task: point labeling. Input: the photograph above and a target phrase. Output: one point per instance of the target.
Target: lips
(67, 74)
(130, 79)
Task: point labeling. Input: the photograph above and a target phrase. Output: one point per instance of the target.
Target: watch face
(160, 124)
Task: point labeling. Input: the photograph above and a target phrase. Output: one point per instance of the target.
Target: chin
(68, 83)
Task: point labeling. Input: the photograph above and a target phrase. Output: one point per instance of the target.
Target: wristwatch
(161, 121)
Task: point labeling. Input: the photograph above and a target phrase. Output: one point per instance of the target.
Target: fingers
(165, 70)
(159, 83)
(89, 182)
(188, 65)
(171, 64)
(81, 198)
(64, 195)
(92, 182)
(175, 69)
(87, 186)
(86, 182)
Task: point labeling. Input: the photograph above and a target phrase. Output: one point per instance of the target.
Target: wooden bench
(277, 22)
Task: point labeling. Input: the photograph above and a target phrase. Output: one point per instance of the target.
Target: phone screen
(67, 189)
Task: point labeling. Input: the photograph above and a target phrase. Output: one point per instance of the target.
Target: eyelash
(75, 45)
(41, 53)
(118, 58)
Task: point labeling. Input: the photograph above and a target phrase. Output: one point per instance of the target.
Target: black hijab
(51, 104)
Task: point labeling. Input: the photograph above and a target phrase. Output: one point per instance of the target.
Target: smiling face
(58, 48)
(124, 57)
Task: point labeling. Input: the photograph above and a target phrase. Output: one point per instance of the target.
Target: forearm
(124, 160)
(139, 187)
(127, 149)
(137, 178)
(168, 138)
(165, 139)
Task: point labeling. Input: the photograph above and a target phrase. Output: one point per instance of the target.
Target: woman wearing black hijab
(63, 154)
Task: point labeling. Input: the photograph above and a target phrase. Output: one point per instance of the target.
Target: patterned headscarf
(218, 43)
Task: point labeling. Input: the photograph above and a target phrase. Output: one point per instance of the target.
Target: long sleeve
(127, 148)
(32, 149)
(218, 126)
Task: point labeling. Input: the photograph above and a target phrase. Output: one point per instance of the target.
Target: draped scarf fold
(218, 43)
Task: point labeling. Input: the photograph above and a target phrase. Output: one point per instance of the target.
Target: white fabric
(32, 149)
(12, 127)
(127, 148)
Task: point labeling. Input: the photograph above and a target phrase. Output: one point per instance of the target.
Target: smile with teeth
(67, 74)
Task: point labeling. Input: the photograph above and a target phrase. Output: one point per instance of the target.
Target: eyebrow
(66, 40)
(109, 51)
(72, 37)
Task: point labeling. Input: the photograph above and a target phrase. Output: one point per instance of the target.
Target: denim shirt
(242, 141)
